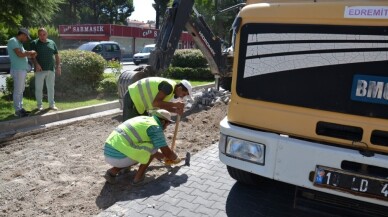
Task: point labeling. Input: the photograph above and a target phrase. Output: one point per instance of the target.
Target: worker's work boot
(110, 178)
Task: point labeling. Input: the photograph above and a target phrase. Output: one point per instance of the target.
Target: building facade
(132, 39)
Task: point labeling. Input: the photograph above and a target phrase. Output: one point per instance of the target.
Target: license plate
(351, 182)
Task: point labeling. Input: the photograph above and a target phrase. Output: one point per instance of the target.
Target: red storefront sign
(104, 31)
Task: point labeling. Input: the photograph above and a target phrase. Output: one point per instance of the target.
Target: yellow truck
(309, 103)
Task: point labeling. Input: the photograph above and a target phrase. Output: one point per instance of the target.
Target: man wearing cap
(19, 67)
(138, 140)
(152, 93)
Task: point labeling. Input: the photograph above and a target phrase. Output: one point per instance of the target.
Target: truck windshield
(316, 66)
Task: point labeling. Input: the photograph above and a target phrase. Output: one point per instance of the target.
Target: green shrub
(115, 67)
(108, 86)
(197, 74)
(81, 73)
(189, 58)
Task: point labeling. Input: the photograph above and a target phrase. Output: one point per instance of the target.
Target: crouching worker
(138, 140)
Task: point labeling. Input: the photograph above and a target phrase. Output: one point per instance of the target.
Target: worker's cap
(163, 114)
(25, 31)
(188, 86)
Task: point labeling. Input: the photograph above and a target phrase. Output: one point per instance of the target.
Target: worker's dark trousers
(129, 109)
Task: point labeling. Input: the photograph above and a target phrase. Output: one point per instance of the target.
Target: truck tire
(244, 177)
(127, 78)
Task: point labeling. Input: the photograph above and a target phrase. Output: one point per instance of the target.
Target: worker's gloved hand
(169, 162)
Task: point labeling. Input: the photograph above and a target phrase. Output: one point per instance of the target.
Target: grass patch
(7, 111)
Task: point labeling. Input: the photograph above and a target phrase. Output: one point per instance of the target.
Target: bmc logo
(373, 89)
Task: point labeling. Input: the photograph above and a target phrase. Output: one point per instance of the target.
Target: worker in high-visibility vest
(153, 93)
(138, 140)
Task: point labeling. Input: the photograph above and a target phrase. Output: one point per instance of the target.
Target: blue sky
(143, 10)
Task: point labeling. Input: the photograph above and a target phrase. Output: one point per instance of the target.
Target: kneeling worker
(154, 92)
(137, 140)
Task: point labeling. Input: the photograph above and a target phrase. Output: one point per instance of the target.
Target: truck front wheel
(244, 177)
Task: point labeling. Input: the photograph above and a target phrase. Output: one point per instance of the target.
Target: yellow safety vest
(145, 90)
(131, 139)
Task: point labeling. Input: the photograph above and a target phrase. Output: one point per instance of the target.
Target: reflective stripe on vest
(147, 104)
(123, 133)
(143, 92)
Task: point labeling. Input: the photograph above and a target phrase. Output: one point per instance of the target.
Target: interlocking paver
(171, 208)
(190, 198)
(206, 211)
(187, 205)
(219, 192)
(215, 197)
(197, 192)
(202, 201)
(186, 213)
(187, 197)
(170, 200)
(167, 214)
(197, 185)
(212, 183)
(203, 189)
(151, 211)
(205, 177)
(218, 205)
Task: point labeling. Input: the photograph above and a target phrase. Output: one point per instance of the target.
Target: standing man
(138, 140)
(152, 93)
(19, 67)
(45, 68)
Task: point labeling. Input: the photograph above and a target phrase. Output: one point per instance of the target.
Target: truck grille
(379, 137)
(339, 131)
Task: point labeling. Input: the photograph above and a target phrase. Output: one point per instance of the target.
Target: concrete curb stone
(9, 128)
(17, 125)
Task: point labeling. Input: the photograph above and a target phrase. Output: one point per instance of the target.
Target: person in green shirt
(19, 67)
(45, 67)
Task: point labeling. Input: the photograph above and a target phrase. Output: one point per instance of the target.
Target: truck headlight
(245, 150)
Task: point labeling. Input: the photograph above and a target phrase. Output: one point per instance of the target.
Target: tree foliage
(160, 7)
(36, 13)
(219, 23)
(116, 11)
(17, 13)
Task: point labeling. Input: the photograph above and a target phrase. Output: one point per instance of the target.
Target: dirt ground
(58, 171)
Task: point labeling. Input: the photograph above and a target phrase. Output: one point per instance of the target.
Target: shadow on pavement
(268, 199)
(123, 191)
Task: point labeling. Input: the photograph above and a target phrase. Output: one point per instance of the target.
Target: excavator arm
(182, 15)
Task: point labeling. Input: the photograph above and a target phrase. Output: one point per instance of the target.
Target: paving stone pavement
(206, 189)
(202, 191)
